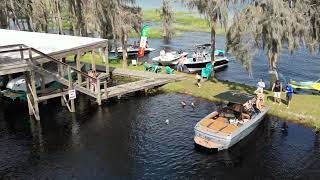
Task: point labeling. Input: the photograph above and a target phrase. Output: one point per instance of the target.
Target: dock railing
(70, 76)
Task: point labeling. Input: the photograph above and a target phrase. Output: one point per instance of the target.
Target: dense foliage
(166, 14)
(273, 25)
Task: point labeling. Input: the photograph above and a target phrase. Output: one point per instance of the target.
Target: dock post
(98, 90)
(34, 95)
(43, 85)
(146, 92)
(72, 108)
(27, 77)
(61, 73)
(31, 85)
(33, 88)
(93, 61)
(105, 57)
(105, 86)
(78, 68)
(10, 77)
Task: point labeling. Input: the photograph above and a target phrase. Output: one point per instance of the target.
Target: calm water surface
(129, 139)
(301, 66)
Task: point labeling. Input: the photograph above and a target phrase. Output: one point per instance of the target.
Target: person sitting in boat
(240, 112)
(204, 52)
(162, 52)
(194, 56)
(260, 99)
(199, 56)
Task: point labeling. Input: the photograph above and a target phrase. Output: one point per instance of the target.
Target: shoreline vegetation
(183, 22)
(303, 109)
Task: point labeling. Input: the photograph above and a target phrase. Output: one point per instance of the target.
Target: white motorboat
(203, 58)
(224, 128)
(132, 50)
(170, 58)
(194, 66)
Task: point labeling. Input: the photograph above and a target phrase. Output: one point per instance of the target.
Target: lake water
(129, 139)
(156, 4)
(301, 66)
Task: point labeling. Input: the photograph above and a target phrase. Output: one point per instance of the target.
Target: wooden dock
(15, 58)
(149, 80)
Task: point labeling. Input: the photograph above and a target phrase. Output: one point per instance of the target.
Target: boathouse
(29, 52)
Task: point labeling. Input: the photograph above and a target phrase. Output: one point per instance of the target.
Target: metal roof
(44, 42)
(54, 45)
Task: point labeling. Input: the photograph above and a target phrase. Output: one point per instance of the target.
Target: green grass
(183, 22)
(154, 33)
(116, 63)
(303, 110)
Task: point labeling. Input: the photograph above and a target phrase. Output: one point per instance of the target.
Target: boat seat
(229, 129)
(217, 125)
(206, 122)
(222, 119)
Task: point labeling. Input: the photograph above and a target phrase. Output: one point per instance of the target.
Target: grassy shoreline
(183, 22)
(303, 109)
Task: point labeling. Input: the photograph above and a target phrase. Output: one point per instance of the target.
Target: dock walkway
(83, 83)
(149, 80)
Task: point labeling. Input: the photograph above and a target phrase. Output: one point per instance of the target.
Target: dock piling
(72, 108)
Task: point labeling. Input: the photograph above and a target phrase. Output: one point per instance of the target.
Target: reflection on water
(131, 139)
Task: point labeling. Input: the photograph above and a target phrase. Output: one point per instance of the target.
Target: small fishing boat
(132, 50)
(227, 126)
(200, 62)
(170, 58)
(19, 83)
(16, 88)
(307, 85)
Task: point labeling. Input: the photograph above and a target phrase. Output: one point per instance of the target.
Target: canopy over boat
(235, 97)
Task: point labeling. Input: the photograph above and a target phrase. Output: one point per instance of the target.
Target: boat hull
(133, 52)
(197, 66)
(172, 59)
(166, 63)
(219, 141)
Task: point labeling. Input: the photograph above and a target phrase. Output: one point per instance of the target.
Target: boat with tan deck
(227, 126)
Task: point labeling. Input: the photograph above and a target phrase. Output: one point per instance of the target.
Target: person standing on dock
(277, 88)
(93, 82)
(289, 92)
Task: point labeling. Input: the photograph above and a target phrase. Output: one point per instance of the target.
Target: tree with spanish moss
(270, 25)
(166, 15)
(216, 12)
